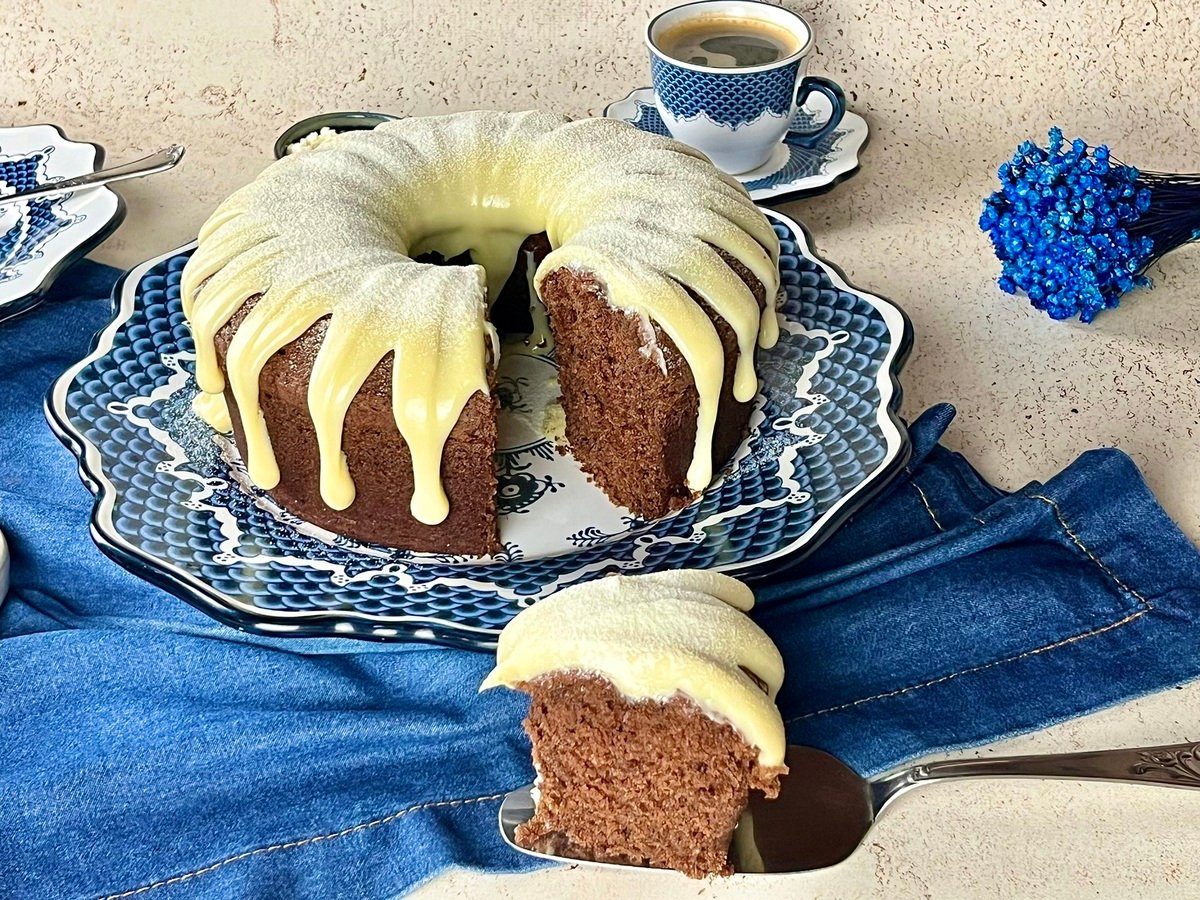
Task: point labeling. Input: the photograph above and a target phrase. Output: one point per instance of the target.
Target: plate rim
(10, 309)
(883, 476)
(889, 411)
(342, 623)
(763, 196)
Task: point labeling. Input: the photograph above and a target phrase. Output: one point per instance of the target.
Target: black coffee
(727, 42)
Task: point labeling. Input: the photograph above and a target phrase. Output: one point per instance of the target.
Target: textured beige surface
(948, 89)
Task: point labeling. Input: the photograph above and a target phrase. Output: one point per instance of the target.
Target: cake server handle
(160, 161)
(1170, 765)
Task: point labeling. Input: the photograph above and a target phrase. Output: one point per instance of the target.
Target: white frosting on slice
(655, 636)
(650, 348)
(332, 232)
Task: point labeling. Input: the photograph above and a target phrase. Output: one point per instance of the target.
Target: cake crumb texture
(647, 783)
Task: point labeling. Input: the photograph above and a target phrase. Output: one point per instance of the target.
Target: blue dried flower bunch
(1074, 229)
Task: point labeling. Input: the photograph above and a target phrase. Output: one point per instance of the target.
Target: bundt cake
(355, 371)
(652, 716)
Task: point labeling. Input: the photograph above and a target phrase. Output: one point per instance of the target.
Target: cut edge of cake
(669, 781)
(627, 395)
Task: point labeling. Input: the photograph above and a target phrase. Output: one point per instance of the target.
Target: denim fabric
(148, 751)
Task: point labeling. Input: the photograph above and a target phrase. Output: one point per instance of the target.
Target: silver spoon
(825, 809)
(160, 161)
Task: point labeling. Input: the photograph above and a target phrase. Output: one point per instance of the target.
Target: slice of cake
(652, 717)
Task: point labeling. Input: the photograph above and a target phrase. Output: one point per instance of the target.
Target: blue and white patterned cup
(737, 116)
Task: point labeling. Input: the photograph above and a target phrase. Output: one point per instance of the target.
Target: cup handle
(831, 89)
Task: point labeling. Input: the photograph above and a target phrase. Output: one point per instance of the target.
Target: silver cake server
(160, 161)
(825, 809)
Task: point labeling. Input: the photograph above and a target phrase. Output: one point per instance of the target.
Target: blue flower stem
(1173, 216)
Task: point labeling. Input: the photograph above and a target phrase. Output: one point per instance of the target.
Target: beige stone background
(948, 88)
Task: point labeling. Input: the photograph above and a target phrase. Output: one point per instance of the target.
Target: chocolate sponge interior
(645, 783)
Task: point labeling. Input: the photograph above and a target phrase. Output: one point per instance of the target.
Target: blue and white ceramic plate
(39, 239)
(173, 502)
(792, 172)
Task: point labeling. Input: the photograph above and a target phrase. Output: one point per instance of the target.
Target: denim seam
(928, 506)
(1146, 606)
(300, 842)
(1058, 514)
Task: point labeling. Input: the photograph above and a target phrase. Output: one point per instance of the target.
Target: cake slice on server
(652, 717)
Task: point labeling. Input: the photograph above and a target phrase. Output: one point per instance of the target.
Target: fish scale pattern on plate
(180, 519)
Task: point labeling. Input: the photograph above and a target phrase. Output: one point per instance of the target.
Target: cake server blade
(825, 809)
(159, 161)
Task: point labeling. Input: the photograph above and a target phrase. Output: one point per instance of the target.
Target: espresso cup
(737, 116)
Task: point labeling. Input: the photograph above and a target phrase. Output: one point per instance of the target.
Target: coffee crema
(727, 42)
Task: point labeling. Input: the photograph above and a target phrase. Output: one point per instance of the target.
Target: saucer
(792, 172)
(40, 238)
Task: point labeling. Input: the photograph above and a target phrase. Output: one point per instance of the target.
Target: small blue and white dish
(173, 503)
(793, 171)
(40, 238)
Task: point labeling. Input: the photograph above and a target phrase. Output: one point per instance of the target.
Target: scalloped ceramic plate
(40, 238)
(792, 172)
(173, 504)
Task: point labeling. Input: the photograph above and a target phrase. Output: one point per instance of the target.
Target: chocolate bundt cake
(652, 717)
(356, 375)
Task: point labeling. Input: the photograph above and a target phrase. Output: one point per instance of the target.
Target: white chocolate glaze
(331, 232)
(655, 636)
(213, 410)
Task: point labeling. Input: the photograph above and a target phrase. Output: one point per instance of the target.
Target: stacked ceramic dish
(40, 238)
